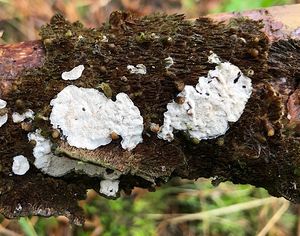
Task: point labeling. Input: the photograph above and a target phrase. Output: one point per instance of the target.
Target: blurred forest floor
(21, 19)
(180, 207)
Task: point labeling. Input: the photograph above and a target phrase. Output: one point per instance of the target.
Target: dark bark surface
(262, 148)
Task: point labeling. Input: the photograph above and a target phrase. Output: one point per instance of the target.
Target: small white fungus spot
(168, 62)
(104, 39)
(138, 69)
(213, 58)
(109, 188)
(20, 165)
(154, 36)
(216, 100)
(2, 104)
(73, 74)
(3, 118)
(18, 208)
(243, 40)
(17, 117)
(87, 118)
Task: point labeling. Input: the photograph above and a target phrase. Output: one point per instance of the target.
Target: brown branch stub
(280, 22)
(254, 150)
(15, 58)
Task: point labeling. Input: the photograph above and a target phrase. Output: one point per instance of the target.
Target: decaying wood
(262, 148)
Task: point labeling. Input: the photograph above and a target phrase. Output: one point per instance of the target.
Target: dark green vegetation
(133, 215)
(236, 5)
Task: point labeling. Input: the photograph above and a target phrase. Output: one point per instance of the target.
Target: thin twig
(217, 212)
(7, 232)
(274, 218)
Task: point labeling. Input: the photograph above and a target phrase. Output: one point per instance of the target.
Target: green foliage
(188, 4)
(44, 223)
(27, 227)
(125, 216)
(131, 215)
(238, 5)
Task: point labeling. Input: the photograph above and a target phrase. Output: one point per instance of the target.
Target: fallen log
(171, 98)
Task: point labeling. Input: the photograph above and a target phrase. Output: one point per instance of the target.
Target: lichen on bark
(254, 150)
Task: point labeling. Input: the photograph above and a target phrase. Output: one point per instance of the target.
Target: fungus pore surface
(58, 166)
(73, 74)
(20, 165)
(207, 108)
(17, 117)
(109, 188)
(138, 69)
(3, 115)
(87, 118)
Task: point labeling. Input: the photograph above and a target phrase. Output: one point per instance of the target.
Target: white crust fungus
(20, 165)
(109, 188)
(87, 118)
(213, 58)
(17, 117)
(73, 74)
(104, 39)
(18, 208)
(58, 166)
(138, 69)
(168, 62)
(216, 100)
(2, 104)
(44, 159)
(3, 118)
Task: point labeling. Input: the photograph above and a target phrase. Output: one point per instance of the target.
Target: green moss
(297, 171)
(106, 89)
(68, 33)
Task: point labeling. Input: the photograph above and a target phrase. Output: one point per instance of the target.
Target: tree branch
(261, 148)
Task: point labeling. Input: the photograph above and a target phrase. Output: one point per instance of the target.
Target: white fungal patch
(138, 69)
(73, 74)
(46, 161)
(109, 188)
(58, 166)
(168, 62)
(213, 58)
(104, 39)
(87, 118)
(2, 104)
(216, 100)
(20, 165)
(17, 117)
(3, 118)
(18, 208)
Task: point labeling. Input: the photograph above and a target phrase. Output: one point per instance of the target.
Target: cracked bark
(261, 149)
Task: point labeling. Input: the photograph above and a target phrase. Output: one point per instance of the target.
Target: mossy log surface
(262, 148)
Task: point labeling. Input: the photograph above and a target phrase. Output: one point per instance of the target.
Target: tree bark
(261, 148)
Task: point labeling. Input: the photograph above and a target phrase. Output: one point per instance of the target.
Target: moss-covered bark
(262, 148)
